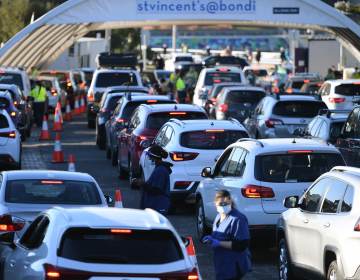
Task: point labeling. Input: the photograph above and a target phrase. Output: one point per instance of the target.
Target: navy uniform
(235, 263)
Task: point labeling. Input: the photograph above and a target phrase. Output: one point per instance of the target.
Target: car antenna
(175, 107)
(294, 141)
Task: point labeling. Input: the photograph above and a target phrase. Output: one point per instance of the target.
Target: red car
(144, 125)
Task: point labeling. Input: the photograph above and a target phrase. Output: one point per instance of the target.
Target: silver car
(279, 116)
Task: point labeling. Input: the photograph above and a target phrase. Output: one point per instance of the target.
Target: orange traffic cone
(68, 115)
(118, 199)
(57, 120)
(71, 166)
(58, 155)
(76, 107)
(44, 135)
(82, 104)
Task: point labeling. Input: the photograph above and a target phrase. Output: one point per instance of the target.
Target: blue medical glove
(215, 243)
(207, 239)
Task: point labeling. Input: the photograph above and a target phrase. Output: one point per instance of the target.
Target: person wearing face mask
(156, 190)
(230, 240)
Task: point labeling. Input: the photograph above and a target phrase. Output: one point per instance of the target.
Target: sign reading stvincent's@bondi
(196, 6)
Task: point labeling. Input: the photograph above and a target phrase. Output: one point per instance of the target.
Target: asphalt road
(78, 140)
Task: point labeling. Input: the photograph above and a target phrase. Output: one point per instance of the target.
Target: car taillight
(121, 231)
(120, 120)
(141, 138)
(223, 108)
(253, 191)
(10, 134)
(270, 123)
(194, 275)
(180, 156)
(336, 100)
(9, 223)
(54, 92)
(16, 103)
(91, 97)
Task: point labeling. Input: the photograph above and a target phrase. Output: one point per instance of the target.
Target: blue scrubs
(230, 264)
(156, 191)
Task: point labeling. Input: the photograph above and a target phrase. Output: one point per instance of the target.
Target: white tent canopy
(43, 41)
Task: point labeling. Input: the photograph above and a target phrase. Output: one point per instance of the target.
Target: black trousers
(39, 111)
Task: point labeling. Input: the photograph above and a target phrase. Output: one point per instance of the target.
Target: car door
(302, 233)
(126, 139)
(111, 125)
(28, 251)
(210, 186)
(251, 122)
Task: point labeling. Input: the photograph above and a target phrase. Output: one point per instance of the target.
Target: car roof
(45, 77)
(12, 70)
(192, 125)
(112, 217)
(172, 107)
(254, 67)
(248, 88)
(47, 174)
(338, 82)
(127, 88)
(144, 97)
(295, 97)
(217, 69)
(100, 71)
(264, 146)
(346, 173)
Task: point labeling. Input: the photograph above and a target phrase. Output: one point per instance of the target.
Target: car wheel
(333, 272)
(113, 157)
(201, 227)
(284, 265)
(91, 124)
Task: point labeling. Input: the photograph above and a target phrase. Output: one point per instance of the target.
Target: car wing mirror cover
(291, 202)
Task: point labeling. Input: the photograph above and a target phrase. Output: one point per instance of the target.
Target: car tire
(333, 272)
(201, 228)
(91, 124)
(284, 262)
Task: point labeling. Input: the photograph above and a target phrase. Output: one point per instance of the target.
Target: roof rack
(346, 168)
(177, 121)
(283, 93)
(252, 140)
(329, 112)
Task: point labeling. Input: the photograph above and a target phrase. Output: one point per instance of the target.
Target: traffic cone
(68, 115)
(57, 120)
(76, 107)
(118, 199)
(82, 104)
(44, 135)
(71, 166)
(58, 155)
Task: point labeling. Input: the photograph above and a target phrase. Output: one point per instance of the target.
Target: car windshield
(48, 191)
(297, 84)
(295, 167)
(244, 96)
(112, 79)
(157, 120)
(211, 139)
(116, 246)
(221, 77)
(298, 109)
(11, 79)
(348, 89)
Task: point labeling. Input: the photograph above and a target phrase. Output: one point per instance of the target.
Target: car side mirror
(291, 202)
(109, 199)
(7, 239)
(206, 172)
(145, 144)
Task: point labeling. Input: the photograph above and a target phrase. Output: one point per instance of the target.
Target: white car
(54, 91)
(10, 142)
(16, 76)
(99, 243)
(192, 145)
(260, 174)
(210, 76)
(170, 64)
(340, 94)
(319, 235)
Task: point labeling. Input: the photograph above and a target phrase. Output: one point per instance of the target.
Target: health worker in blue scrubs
(230, 240)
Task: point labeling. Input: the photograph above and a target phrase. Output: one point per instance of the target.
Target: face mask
(224, 209)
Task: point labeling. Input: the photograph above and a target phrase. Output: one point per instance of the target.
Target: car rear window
(4, 102)
(211, 139)
(221, 77)
(295, 167)
(298, 109)
(52, 192)
(139, 247)
(227, 60)
(115, 79)
(3, 122)
(11, 79)
(348, 89)
(248, 96)
(297, 84)
(157, 120)
(47, 84)
(184, 59)
(112, 102)
(131, 106)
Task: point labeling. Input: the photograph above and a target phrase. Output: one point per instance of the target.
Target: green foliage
(125, 40)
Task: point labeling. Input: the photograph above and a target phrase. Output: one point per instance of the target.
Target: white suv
(341, 94)
(210, 76)
(191, 146)
(320, 234)
(260, 174)
(16, 76)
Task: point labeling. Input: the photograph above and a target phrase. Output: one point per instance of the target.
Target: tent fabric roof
(41, 42)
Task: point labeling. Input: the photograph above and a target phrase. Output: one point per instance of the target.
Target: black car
(215, 60)
(238, 102)
(122, 114)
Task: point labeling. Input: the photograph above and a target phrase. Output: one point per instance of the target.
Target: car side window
(160, 136)
(312, 199)
(347, 202)
(315, 127)
(135, 120)
(35, 234)
(167, 136)
(222, 163)
(259, 107)
(234, 161)
(352, 125)
(323, 130)
(333, 197)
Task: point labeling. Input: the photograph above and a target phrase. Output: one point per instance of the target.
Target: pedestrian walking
(181, 88)
(230, 240)
(39, 94)
(156, 190)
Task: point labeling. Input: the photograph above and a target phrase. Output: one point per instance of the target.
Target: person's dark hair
(158, 152)
(224, 194)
